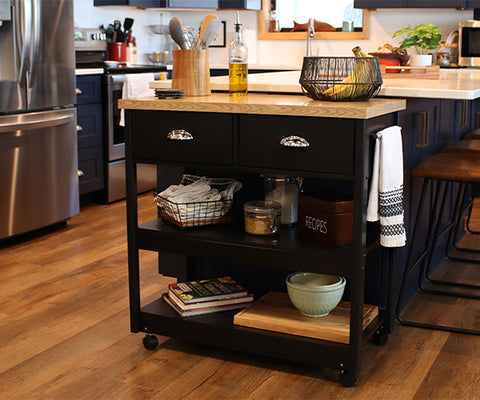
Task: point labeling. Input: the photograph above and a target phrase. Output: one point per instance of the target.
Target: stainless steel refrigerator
(38, 143)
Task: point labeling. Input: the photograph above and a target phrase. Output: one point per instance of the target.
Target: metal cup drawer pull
(179, 134)
(294, 141)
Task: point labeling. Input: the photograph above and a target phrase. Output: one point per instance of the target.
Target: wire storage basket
(198, 213)
(341, 78)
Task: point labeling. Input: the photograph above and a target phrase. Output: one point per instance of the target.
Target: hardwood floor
(64, 334)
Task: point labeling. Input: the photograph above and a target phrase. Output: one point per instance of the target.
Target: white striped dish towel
(385, 201)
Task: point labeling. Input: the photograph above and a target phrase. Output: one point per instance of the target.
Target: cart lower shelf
(218, 329)
(275, 312)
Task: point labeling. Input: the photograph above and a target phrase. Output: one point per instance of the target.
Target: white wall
(266, 52)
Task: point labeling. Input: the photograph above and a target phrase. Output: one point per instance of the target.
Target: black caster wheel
(380, 337)
(150, 342)
(347, 380)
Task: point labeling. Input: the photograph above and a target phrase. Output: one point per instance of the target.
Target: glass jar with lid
(284, 190)
(262, 217)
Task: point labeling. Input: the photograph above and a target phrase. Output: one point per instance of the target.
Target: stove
(90, 52)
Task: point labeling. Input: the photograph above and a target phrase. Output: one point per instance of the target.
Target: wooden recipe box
(328, 220)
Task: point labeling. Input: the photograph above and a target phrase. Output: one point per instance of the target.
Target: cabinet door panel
(90, 87)
(475, 114)
(331, 143)
(211, 142)
(90, 166)
(89, 125)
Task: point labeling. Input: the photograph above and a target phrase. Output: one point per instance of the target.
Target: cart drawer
(210, 143)
(331, 143)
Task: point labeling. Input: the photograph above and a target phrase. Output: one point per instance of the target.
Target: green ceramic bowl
(315, 295)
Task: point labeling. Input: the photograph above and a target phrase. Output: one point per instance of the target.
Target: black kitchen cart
(244, 137)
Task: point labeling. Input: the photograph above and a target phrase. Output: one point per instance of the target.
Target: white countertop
(88, 71)
(453, 84)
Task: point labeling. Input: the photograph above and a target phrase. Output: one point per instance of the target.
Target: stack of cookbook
(207, 296)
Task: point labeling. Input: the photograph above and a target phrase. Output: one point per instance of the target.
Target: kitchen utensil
(117, 27)
(210, 32)
(127, 24)
(109, 33)
(126, 36)
(190, 36)
(176, 32)
(206, 21)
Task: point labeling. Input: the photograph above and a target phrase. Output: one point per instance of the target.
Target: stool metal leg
(450, 227)
(460, 207)
(422, 259)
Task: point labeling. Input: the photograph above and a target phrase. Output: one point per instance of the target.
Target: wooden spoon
(176, 32)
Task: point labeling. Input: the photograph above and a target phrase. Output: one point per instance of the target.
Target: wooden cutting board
(275, 312)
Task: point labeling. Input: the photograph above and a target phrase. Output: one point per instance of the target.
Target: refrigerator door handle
(23, 34)
(34, 55)
(48, 119)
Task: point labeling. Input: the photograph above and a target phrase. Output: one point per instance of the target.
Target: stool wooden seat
(473, 135)
(442, 173)
(464, 146)
(454, 166)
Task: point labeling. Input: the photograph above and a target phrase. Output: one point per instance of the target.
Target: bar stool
(469, 145)
(441, 170)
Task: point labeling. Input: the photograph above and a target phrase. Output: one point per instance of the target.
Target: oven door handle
(121, 78)
(117, 78)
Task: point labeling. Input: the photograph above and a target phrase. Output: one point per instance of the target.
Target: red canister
(117, 51)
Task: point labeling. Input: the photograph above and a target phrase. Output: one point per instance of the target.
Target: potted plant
(422, 38)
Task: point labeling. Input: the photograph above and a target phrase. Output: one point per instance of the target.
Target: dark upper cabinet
(379, 3)
(192, 3)
(416, 3)
(436, 3)
(246, 4)
(135, 3)
(217, 4)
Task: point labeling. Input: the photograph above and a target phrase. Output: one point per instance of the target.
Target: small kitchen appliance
(469, 44)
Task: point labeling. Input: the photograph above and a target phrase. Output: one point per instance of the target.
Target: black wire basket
(341, 78)
(199, 213)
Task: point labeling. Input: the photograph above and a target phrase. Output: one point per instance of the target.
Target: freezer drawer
(38, 170)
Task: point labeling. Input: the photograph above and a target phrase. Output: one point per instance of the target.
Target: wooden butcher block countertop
(269, 104)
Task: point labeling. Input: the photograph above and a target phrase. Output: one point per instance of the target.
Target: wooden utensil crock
(191, 72)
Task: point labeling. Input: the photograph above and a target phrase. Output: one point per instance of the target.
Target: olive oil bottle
(238, 65)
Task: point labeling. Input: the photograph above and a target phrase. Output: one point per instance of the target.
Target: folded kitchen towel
(385, 201)
(136, 85)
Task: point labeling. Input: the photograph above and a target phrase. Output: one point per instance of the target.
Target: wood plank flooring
(65, 335)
